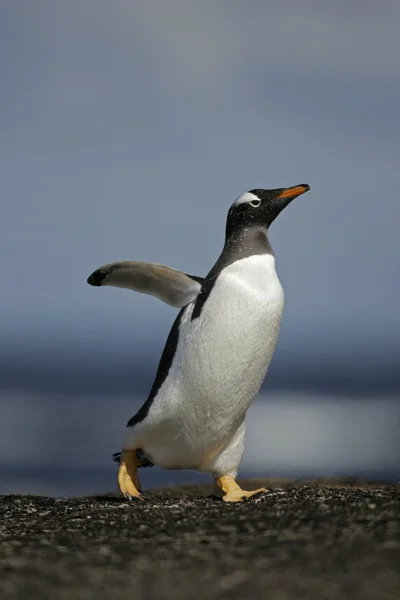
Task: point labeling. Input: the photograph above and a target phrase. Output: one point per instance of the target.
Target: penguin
(217, 353)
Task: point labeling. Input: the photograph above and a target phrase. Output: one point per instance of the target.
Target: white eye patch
(248, 197)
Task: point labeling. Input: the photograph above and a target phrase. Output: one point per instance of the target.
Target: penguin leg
(225, 467)
(128, 479)
(232, 490)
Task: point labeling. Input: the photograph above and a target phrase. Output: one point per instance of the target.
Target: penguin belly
(219, 365)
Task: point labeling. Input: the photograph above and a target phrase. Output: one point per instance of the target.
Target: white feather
(196, 420)
(246, 197)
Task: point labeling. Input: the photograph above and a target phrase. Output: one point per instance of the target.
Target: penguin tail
(144, 462)
(117, 457)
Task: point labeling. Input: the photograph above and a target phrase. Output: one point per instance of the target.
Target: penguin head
(261, 207)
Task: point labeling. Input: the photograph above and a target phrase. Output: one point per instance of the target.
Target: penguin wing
(169, 285)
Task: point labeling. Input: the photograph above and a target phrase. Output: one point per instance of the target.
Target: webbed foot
(128, 479)
(232, 490)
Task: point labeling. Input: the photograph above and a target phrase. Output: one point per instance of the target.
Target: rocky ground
(321, 540)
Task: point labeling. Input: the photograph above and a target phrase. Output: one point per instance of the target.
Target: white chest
(219, 365)
(227, 350)
(223, 355)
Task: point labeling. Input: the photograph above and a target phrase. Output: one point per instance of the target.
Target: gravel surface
(320, 540)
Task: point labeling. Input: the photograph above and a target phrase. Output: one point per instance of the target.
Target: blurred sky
(129, 127)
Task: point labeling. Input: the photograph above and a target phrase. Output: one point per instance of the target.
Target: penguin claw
(131, 498)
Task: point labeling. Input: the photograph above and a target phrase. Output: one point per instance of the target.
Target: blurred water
(62, 444)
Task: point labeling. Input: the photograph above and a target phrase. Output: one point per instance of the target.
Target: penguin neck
(242, 243)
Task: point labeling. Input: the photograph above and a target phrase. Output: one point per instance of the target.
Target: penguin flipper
(169, 285)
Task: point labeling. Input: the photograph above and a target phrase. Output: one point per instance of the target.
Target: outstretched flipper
(169, 285)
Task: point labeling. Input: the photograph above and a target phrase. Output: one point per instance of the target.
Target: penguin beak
(282, 198)
(293, 192)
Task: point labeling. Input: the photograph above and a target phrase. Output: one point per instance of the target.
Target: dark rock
(326, 540)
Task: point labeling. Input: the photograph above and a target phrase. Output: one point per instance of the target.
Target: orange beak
(295, 191)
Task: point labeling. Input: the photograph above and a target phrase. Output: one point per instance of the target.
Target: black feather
(144, 462)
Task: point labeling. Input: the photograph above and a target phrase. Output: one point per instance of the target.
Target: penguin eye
(255, 203)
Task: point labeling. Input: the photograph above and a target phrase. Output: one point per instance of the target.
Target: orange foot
(233, 492)
(128, 479)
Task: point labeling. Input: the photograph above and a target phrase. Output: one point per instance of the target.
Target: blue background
(127, 130)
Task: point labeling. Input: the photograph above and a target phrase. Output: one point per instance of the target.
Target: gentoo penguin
(216, 355)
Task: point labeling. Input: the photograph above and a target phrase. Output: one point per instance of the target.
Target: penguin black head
(261, 207)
